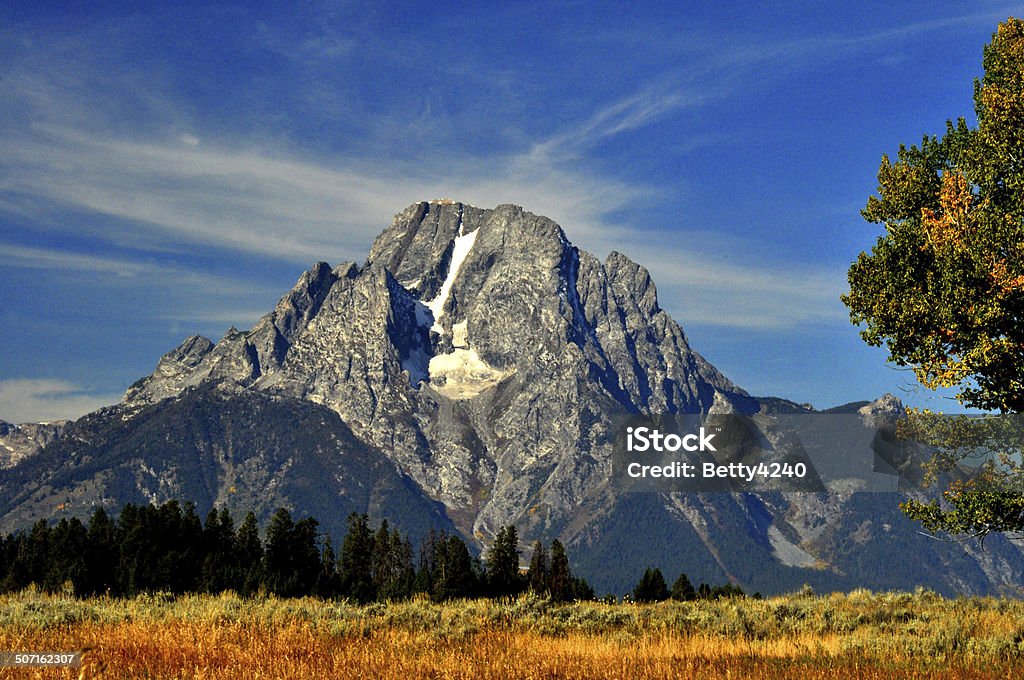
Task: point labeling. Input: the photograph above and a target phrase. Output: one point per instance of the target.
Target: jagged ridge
(487, 358)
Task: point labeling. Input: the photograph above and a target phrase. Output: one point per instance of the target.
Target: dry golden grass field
(856, 635)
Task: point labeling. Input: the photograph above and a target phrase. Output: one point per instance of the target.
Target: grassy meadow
(855, 635)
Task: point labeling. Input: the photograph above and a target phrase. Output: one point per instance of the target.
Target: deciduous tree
(943, 287)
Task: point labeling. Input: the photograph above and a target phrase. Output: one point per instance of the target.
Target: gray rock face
(479, 349)
(240, 357)
(489, 360)
(884, 411)
(216, 445)
(18, 442)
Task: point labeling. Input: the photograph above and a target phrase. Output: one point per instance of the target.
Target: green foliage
(503, 564)
(682, 589)
(538, 574)
(249, 556)
(943, 288)
(356, 561)
(277, 558)
(101, 554)
(447, 571)
(979, 460)
(727, 590)
(549, 575)
(393, 572)
(651, 587)
(166, 549)
(560, 581)
(581, 589)
(219, 564)
(457, 577)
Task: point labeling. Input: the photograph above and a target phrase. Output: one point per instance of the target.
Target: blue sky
(170, 171)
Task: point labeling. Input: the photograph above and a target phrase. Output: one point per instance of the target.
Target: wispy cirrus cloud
(648, 105)
(261, 202)
(25, 400)
(25, 257)
(115, 269)
(701, 287)
(179, 181)
(240, 199)
(187, 297)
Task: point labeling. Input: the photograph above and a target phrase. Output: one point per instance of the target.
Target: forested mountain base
(167, 549)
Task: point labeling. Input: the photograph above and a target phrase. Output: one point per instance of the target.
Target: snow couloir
(461, 373)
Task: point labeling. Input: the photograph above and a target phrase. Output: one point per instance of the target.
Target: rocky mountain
(475, 372)
(18, 442)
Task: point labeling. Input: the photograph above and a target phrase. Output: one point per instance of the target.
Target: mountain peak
(460, 299)
(461, 305)
(472, 374)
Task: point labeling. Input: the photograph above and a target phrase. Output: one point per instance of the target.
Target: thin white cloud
(187, 186)
(45, 258)
(153, 273)
(701, 289)
(262, 203)
(241, 199)
(42, 399)
(236, 199)
(635, 111)
(187, 298)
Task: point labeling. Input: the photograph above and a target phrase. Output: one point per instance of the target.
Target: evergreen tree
(581, 590)
(456, 578)
(651, 587)
(187, 554)
(102, 555)
(6, 560)
(356, 561)
(292, 558)
(18, 575)
(393, 573)
(219, 563)
(165, 521)
(402, 586)
(277, 563)
(137, 552)
(682, 589)
(249, 557)
(305, 557)
(727, 590)
(431, 556)
(560, 583)
(153, 548)
(503, 564)
(37, 552)
(328, 582)
(539, 574)
(67, 556)
(381, 558)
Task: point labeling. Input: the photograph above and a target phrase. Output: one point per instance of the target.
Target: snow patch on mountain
(460, 335)
(460, 250)
(462, 374)
(417, 365)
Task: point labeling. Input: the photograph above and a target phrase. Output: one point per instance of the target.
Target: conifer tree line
(168, 548)
(652, 587)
